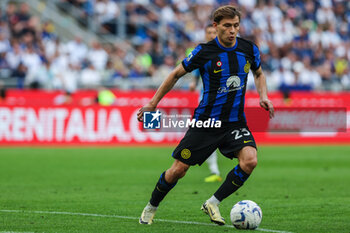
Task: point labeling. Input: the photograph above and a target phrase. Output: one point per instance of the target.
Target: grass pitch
(300, 189)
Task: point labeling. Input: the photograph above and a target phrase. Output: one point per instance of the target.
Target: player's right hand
(267, 105)
(146, 108)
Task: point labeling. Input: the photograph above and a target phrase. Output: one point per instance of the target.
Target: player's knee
(251, 162)
(177, 171)
(180, 171)
(174, 174)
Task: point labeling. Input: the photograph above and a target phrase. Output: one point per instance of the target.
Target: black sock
(161, 190)
(234, 180)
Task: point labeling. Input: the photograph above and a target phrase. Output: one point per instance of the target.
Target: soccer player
(210, 34)
(224, 64)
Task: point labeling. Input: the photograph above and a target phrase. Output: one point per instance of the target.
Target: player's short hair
(209, 26)
(227, 11)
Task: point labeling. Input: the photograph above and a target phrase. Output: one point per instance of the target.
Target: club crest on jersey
(247, 67)
(219, 63)
(185, 153)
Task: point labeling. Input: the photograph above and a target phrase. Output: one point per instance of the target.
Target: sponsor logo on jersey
(189, 57)
(217, 71)
(233, 83)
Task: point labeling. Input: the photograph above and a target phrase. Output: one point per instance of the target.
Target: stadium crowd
(305, 45)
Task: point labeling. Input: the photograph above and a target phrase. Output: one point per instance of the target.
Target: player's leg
(214, 168)
(247, 157)
(166, 182)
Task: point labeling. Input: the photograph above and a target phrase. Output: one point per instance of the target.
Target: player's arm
(261, 87)
(164, 88)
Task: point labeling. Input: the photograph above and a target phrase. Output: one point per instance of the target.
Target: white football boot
(214, 213)
(147, 214)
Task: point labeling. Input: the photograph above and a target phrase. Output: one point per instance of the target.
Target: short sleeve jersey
(224, 73)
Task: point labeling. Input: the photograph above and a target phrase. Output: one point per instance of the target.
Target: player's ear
(215, 24)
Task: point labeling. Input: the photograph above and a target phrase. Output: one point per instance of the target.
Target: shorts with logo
(199, 143)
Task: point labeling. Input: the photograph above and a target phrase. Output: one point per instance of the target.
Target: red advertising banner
(34, 118)
(76, 125)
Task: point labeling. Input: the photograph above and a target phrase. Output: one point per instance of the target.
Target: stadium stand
(305, 45)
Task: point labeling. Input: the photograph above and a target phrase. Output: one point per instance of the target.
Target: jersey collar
(225, 48)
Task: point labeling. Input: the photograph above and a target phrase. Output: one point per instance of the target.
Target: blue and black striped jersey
(224, 74)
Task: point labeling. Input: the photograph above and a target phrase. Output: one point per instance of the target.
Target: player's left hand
(267, 105)
(146, 108)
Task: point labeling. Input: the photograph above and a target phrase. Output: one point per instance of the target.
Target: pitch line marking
(16, 232)
(127, 217)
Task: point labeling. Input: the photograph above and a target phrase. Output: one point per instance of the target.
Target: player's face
(227, 30)
(210, 33)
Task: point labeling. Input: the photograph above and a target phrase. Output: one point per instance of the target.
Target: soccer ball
(246, 214)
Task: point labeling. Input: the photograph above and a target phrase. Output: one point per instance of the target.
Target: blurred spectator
(19, 20)
(107, 12)
(90, 77)
(308, 76)
(23, 14)
(282, 78)
(41, 77)
(60, 62)
(67, 79)
(325, 15)
(163, 70)
(3, 62)
(341, 68)
(118, 65)
(136, 71)
(4, 27)
(48, 30)
(77, 51)
(53, 47)
(105, 97)
(31, 60)
(157, 54)
(20, 73)
(14, 56)
(4, 43)
(144, 59)
(97, 56)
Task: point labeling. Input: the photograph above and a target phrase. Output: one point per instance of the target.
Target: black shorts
(198, 144)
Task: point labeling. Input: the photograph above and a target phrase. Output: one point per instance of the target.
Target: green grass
(300, 189)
